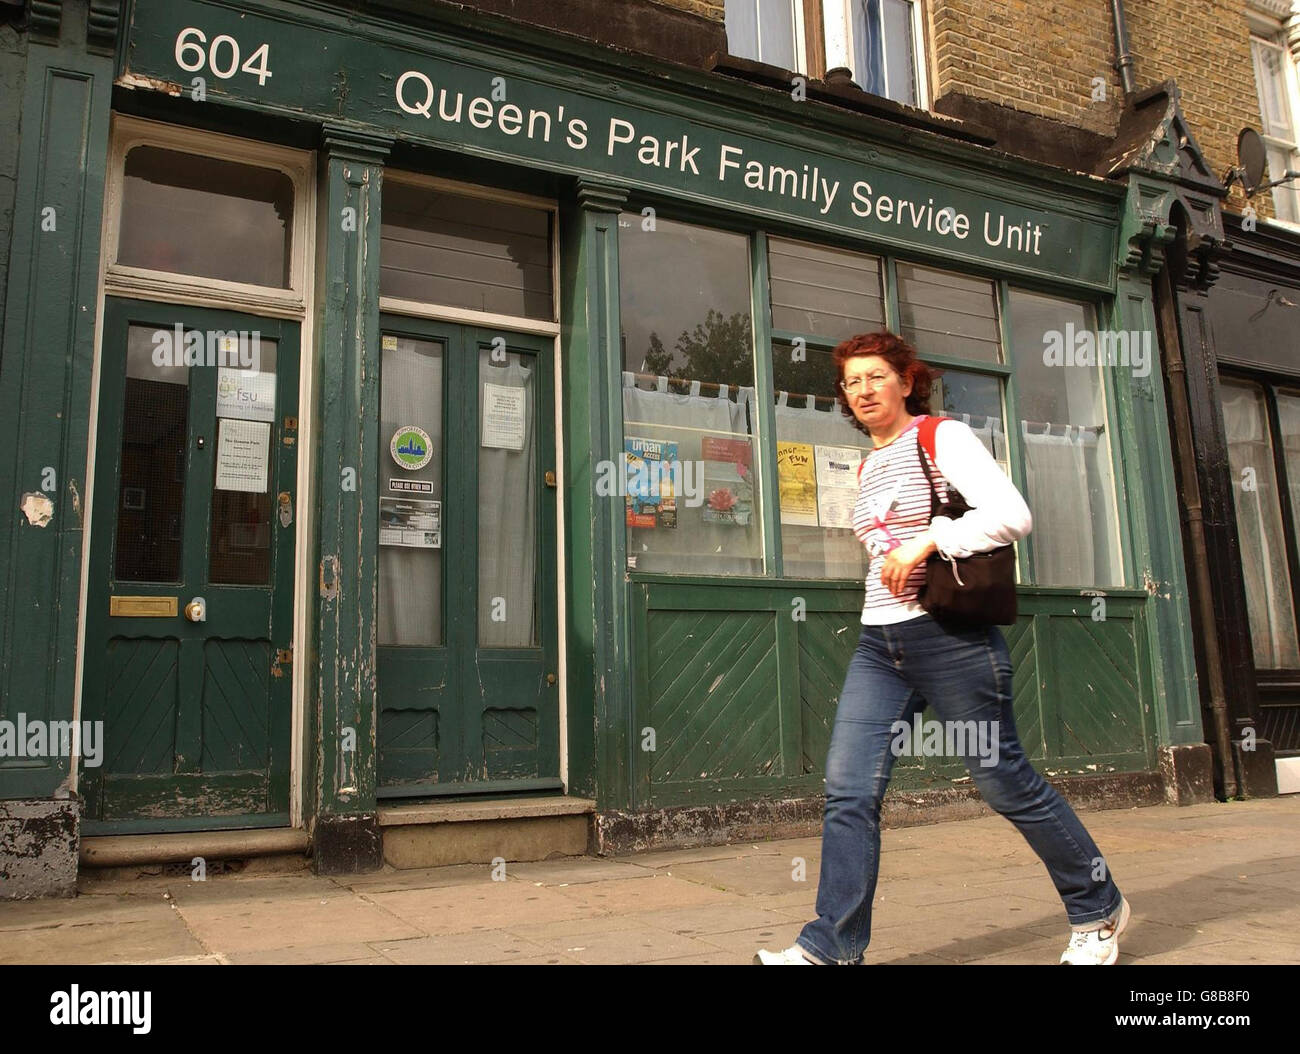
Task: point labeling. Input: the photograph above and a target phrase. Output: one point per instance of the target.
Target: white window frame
(837, 17)
(800, 40)
(1265, 18)
(147, 283)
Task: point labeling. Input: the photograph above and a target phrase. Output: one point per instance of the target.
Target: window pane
(1270, 79)
(948, 314)
(507, 502)
(155, 432)
(868, 46)
(440, 248)
(690, 459)
(762, 30)
(410, 495)
(1286, 199)
(1071, 490)
(824, 292)
(1259, 525)
(817, 457)
(900, 57)
(195, 215)
(976, 400)
(240, 549)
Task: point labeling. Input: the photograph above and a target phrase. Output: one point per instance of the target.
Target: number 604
(221, 56)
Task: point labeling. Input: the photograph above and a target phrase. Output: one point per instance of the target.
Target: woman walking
(905, 660)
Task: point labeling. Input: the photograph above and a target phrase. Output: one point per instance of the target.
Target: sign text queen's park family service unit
(342, 71)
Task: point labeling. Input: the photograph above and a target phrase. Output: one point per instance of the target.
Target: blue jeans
(965, 675)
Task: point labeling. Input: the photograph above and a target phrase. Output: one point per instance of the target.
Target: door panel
(468, 628)
(194, 500)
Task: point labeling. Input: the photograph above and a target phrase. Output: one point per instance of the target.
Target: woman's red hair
(902, 359)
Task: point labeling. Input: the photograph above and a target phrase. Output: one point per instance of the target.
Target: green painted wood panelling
(45, 369)
(347, 296)
(715, 683)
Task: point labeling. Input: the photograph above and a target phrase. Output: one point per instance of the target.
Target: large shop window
(1256, 493)
(459, 251)
(690, 465)
(195, 215)
(1068, 469)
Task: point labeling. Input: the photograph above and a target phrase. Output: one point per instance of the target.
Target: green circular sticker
(411, 448)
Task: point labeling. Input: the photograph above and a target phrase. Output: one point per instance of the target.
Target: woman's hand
(900, 563)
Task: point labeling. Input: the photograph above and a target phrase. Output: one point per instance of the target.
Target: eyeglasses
(875, 380)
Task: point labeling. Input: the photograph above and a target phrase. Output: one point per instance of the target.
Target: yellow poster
(797, 474)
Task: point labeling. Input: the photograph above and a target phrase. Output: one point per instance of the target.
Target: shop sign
(492, 104)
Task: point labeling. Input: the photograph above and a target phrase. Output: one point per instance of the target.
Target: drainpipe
(1124, 57)
(1180, 411)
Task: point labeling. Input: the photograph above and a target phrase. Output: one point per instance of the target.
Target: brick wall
(1041, 57)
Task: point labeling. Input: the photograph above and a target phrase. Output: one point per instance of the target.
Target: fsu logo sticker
(411, 448)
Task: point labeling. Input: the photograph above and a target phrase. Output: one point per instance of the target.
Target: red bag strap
(925, 434)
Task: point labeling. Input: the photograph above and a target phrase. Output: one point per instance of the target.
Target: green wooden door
(467, 621)
(194, 501)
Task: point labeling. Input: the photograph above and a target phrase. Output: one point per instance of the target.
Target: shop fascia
(495, 105)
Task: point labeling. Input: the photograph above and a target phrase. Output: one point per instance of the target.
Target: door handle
(286, 508)
(197, 610)
(550, 478)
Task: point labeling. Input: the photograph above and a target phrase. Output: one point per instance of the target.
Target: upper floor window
(884, 35)
(1274, 79)
(768, 31)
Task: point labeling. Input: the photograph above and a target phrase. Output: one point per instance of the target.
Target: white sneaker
(1098, 946)
(792, 956)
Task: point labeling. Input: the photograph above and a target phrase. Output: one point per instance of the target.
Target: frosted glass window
(411, 525)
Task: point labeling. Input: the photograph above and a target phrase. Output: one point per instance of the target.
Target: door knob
(197, 610)
(550, 678)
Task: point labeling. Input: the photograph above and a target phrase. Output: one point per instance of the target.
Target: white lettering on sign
(221, 57)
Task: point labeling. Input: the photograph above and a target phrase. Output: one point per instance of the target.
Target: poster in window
(411, 523)
(243, 455)
(796, 475)
(728, 481)
(837, 484)
(504, 416)
(652, 482)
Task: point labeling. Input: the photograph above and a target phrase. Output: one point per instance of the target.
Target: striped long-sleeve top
(893, 507)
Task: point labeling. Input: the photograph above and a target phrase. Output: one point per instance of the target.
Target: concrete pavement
(1209, 884)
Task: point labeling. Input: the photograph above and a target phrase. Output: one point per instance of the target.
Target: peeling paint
(329, 578)
(75, 496)
(38, 509)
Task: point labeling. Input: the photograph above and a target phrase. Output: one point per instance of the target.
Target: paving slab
(1216, 883)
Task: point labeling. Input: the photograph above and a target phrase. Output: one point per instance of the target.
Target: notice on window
(797, 479)
(245, 394)
(651, 469)
(411, 523)
(504, 413)
(728, 481)
(837, 484)
(243, 455)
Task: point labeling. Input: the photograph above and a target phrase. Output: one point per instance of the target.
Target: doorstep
(1288, 775)
(135, 850)
(435, 834)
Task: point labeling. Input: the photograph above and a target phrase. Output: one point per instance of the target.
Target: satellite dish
(1251, 157)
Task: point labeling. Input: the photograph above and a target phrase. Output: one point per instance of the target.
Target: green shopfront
(457, 423)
